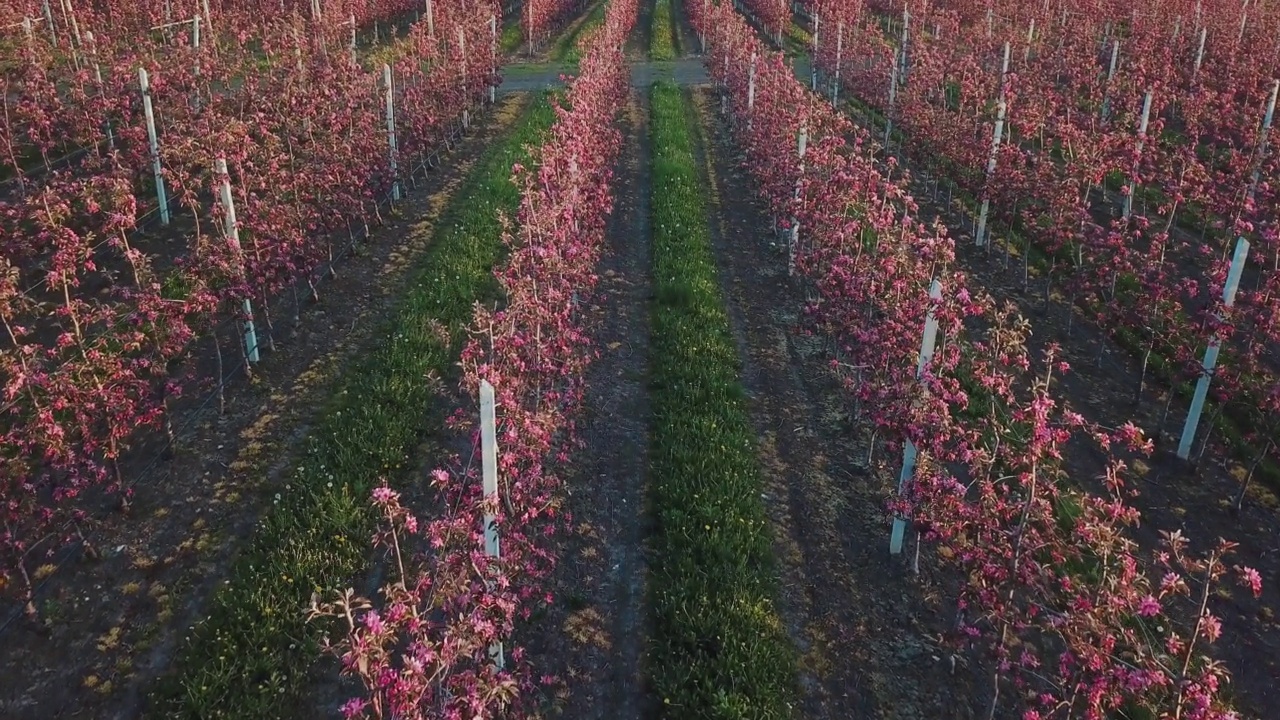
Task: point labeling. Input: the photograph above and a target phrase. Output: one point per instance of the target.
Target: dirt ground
(113, 623)
(593, 638)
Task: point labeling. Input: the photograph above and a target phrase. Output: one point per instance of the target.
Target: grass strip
(512, 37)
(250, 657)
(719, 649)
(662, 32)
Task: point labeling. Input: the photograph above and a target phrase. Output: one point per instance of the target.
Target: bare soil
(593, 639)
(112, 623)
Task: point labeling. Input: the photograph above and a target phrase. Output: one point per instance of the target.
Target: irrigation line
(74, 550)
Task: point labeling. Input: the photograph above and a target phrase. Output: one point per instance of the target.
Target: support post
(996, 135)
(462, 53)
(1142, 136)
(835, 86)
(1262, 141)
(706, 5)
(489, 465)
(793, 246)
(910, 452)
(232, 230)
(493, 54)
(391, 132)
(161, 195)
(1111, 73)
(48, 19)
(1199, 52)
(1211, 353)
(813, 66)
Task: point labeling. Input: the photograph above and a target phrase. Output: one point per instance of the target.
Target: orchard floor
(868, 630)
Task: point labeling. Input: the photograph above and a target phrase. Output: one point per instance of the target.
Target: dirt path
(594, 638)
(113, 623)
(861, 623)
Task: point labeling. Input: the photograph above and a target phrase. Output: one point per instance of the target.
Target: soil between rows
(593, 639)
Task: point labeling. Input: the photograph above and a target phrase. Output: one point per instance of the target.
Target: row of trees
(434, 644)
(165, 178)
(1077, 621)
(1129, 145)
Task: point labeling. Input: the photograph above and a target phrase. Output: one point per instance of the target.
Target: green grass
(719, 649)
(250, 657)
(662, 32)
(511, 38)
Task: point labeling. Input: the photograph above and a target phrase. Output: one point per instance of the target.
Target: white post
(1111, 73)
(1031, 34)
(1199, 52)
(813, 66)
(902, 45)
(909, 452)
(888, 111)
(232, 229)
(48, 19)
(205, 6)
(706, 5)
(997, 133)
(354, 58)
(751, 89)
(1142, 135)
(1262, 141)
(195, 46)
(161, 195)
(835, 87)
(391, 131)
(489, 465)
(26, 30)
(793, 246)
(1211, 353)
(431, 21)
(493, 33)
(462, 52)
(988, 22)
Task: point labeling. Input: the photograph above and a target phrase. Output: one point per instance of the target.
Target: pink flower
(1149, 606)
(354, 708)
